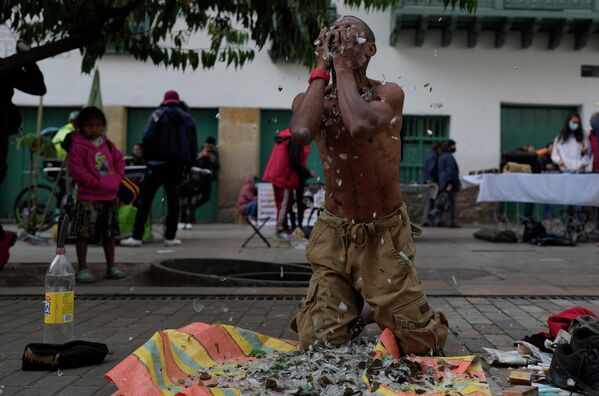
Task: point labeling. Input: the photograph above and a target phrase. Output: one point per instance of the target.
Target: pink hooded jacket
(98, 171)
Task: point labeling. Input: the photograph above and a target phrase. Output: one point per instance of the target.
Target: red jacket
(247, 193)
(98, 171)
(278, 169)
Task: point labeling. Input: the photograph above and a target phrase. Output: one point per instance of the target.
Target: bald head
(358, 23)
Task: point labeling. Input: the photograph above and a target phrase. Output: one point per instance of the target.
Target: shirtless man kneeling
(361, 248)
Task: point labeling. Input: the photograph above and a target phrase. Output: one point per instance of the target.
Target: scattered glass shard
(429, 132)
(374, 214)
(388, 281)
(454, 280)
(130, 339)
(317, 42)
(382, 241)
(439, 20)
(339, 181)
(59, 373)
(217, 116)
(343, 156)
(394, 137)
(342, 307)
(361, 40)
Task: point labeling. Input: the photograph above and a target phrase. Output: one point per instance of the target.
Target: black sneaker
(584, 338)
(575, 369)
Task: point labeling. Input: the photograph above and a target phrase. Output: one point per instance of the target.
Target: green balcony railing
(557, 17)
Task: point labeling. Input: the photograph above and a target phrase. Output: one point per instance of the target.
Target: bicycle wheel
(23, 212)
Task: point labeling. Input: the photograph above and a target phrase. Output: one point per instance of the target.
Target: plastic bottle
(59, 304)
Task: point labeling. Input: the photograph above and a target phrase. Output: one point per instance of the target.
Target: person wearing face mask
(572, 149)
(449, 182)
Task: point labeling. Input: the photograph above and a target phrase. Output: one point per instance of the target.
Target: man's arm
(307, 107)
(364, 119)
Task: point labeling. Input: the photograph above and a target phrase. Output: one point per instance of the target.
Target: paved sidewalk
(492, 294)
(126, 323)
(449, 261)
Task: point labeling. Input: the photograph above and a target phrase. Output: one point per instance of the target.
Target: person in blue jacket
(449, 182)
(431, 178)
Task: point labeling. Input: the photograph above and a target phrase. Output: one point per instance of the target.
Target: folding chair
(256, 229)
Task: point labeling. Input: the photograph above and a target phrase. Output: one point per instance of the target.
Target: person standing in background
(298, 156)
(572, 149)
(30, 80)
(170, 146)
(284, 180)
(196, 190)
(449, 182)
(431, 178)
(97, 167)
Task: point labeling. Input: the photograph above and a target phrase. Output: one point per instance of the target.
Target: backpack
(442, 201)
(533, 230)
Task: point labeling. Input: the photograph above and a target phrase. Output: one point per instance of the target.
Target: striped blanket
(188, 361)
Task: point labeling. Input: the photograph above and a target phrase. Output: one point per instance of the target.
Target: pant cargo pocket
(420, 329)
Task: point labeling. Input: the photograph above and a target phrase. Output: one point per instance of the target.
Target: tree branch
(20, 59)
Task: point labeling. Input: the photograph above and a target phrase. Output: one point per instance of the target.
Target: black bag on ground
(533, 230)
(552, 240)
(442, 201)
(492, 235)
(73, 354)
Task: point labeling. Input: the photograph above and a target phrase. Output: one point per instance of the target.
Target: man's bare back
(357, 131)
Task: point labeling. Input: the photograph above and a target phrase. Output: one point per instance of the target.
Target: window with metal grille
(418, 135)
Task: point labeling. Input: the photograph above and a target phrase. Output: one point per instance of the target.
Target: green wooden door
(17, 177)
(273, 121)
(207, 125)
(419, 133)
(536, 125)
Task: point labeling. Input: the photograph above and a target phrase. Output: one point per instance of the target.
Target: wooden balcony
(557, 17)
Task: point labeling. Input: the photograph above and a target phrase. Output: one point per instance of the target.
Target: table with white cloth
(549, 188)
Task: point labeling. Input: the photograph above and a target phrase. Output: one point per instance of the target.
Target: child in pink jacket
(97, 167)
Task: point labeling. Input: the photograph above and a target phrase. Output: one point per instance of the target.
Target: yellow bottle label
(59, 307)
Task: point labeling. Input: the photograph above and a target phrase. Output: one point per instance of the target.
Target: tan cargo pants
(353, 263)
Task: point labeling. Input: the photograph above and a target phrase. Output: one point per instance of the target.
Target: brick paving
(126, 323)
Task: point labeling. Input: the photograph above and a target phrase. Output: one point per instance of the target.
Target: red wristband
(318, 73)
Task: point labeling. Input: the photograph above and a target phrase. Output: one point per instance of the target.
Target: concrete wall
(471, 84)
(239, 148)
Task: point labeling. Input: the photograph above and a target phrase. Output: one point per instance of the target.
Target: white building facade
(475, 89)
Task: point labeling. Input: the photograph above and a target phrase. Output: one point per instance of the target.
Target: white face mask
(574, 126)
